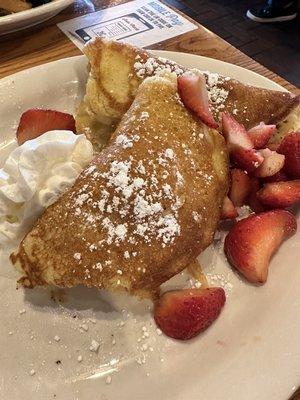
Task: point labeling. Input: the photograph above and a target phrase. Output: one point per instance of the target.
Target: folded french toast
(144, 208)
(117, 70)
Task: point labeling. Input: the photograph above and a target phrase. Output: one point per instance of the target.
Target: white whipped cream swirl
(34, 175)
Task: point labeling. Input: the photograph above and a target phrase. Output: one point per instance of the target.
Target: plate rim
(33, 12)
(160, 53)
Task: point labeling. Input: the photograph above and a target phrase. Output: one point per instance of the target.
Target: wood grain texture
(45, 43)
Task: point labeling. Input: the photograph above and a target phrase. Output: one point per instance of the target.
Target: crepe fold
(117, 70)
(144, 208)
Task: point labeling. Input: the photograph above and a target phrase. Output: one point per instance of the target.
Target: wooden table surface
(45, 43)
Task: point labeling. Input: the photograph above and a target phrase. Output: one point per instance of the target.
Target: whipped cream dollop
(34, 175)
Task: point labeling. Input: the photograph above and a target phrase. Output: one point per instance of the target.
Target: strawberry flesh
(228, 209)
(235, 134)
(252, 241)
(247, 159)
(35, 122)
(240, 187)
(239, 144)
(280, 194)
(261, 134)
(194, 95)
(183, 314)
(290, 147)
(272, 163)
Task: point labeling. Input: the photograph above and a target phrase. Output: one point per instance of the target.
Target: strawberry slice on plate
(252, 241)
(261, 134)
(272, 163)
(183, 314)
(228, 209)
(290, 147)
(194, 95)
(240, 187)
(35, 122)
(280, 194)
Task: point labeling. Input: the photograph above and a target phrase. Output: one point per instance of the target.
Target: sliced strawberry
(240, 187)
(261, 134)
(193, 92)
(239, 144)
(183, 314)
(35, 122)
(273, 163)
(235, 134)
(228, 209)
(253, 240)
(278, 177)
(247, 159)
(280, 194)
(290, 147)
(252, 200)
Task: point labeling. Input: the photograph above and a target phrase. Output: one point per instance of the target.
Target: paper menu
(139, 22)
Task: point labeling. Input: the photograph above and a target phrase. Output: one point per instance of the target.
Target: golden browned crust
(168, 202)
(117, 69)
(110, 89)
(251, 105)
(108, 60)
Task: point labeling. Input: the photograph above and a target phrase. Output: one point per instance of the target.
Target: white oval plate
(251, 352)
(25, 19)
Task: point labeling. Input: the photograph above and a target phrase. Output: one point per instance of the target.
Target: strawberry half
(261, 134)
(290, 147)
(239, 144)
(272, 163)
(253, 240)
(240, 187)
(193, 93)
(228, 209)
(280, 194)
(35, 122)
(183, 314)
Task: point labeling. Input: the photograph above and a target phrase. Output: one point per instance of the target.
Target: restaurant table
(44, 43)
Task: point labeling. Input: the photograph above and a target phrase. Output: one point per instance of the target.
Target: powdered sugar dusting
(134, 200)
(214, 82)
(133, 195)
(216, 92)
(152, 67)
